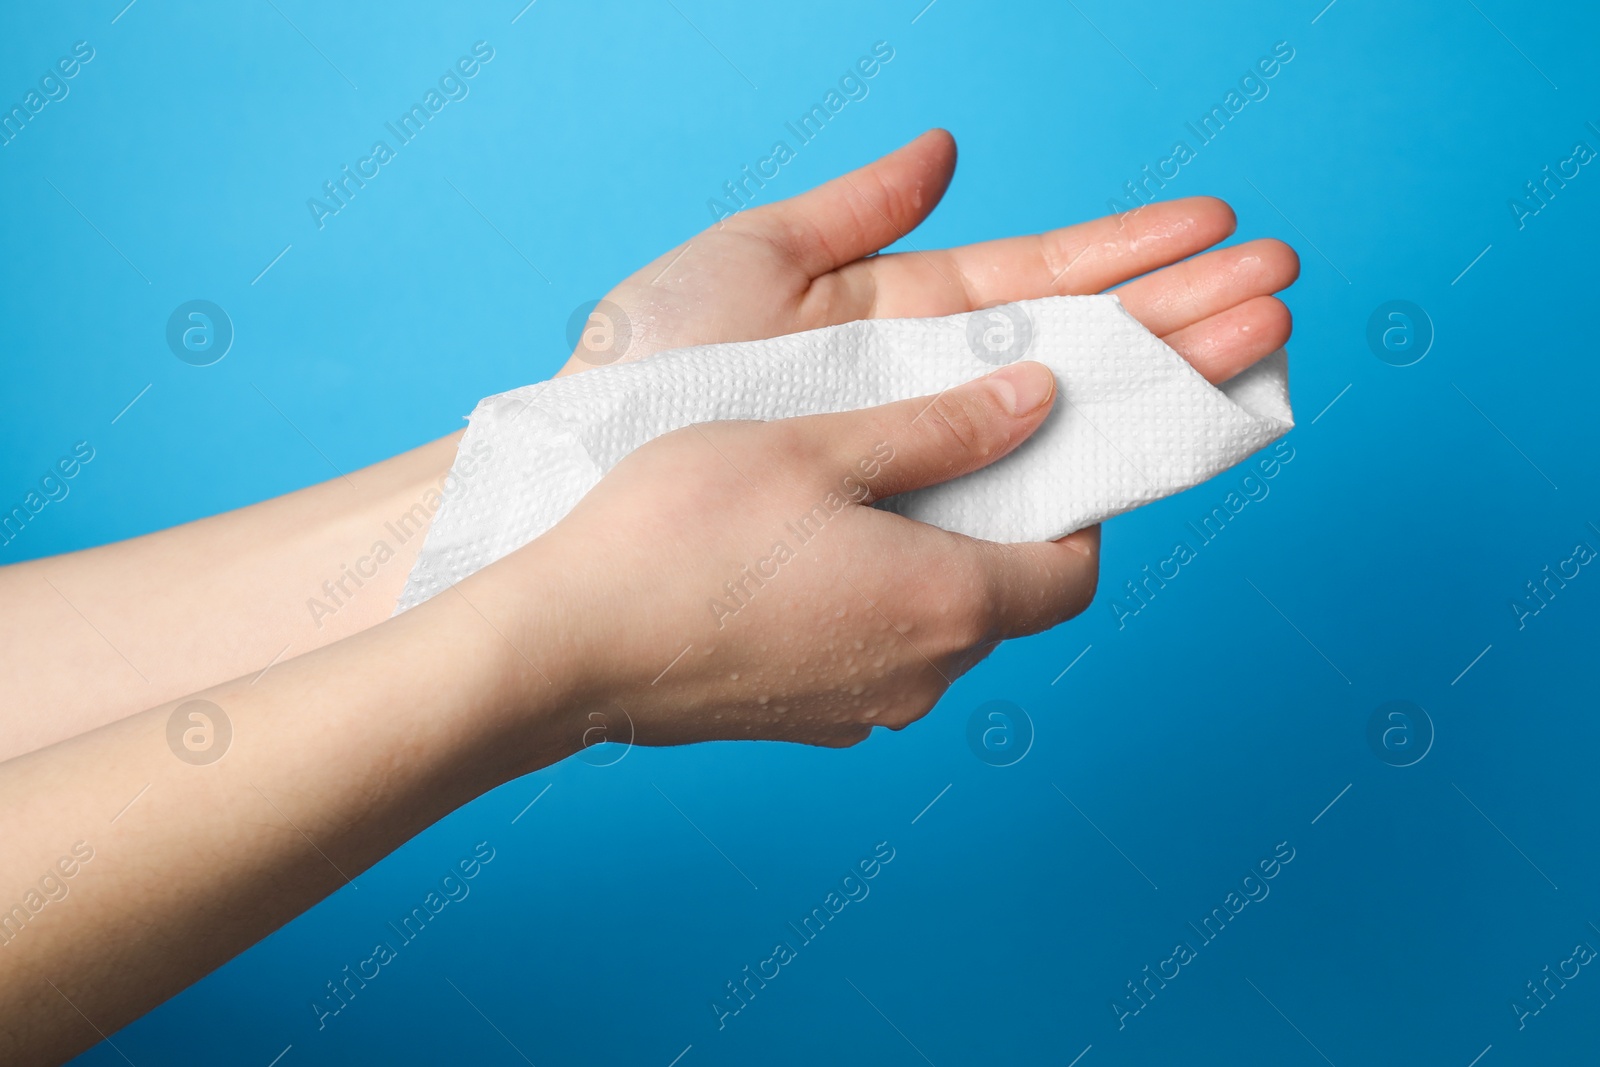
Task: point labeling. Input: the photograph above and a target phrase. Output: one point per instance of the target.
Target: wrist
(519, 683)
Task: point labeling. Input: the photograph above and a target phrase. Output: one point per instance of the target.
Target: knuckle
(788, 439)
(970, 588)
(795, 447)
(964, 423)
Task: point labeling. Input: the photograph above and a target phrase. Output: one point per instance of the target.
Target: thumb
(933, 439)
(857, 214)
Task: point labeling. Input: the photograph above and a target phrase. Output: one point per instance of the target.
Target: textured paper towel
(1132, 422)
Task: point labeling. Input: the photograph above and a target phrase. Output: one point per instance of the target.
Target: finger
(1225, 344)
(1198, 288)
(1086, 258)
(1037, 585)
(858, 213)
(926, 440)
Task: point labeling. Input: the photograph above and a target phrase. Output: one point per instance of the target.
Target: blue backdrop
(1354, 880)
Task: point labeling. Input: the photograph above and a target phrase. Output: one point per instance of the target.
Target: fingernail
(1022, 388)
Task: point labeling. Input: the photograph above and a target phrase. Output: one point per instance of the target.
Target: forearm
(96, 635)
(336, 758)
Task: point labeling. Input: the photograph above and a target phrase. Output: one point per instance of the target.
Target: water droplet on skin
(762, 699)
(857, 690)
(780, 709)
(870, 713)
(859, 644)
(880, 661)
(734, 677)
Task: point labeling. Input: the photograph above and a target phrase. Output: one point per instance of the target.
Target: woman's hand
(730, 580)
(808, 261)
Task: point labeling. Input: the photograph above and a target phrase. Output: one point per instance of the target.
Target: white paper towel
(1132, 422)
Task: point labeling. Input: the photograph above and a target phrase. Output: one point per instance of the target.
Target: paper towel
(1132, 422)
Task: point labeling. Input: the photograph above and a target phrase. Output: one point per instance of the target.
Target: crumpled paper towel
(1132, 422)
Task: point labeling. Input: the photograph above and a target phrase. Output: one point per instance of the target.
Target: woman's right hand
(691, 597)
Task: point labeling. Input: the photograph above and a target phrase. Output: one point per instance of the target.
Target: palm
(807, 262)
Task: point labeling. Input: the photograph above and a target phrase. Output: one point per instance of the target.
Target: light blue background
(1196, 738)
